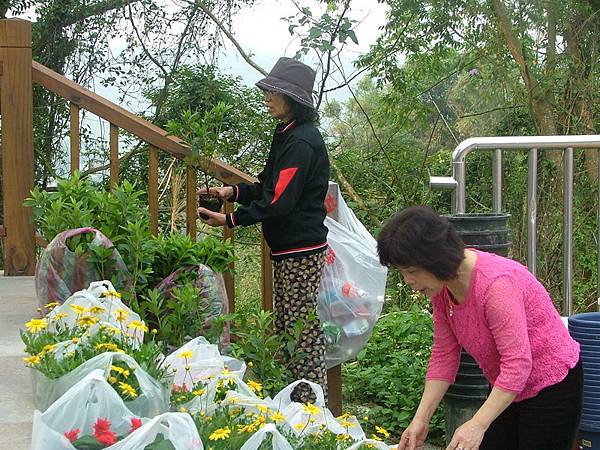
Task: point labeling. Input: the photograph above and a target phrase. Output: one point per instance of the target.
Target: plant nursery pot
(210, 203)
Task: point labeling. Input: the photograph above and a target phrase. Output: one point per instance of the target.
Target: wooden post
(114, 155)
(153, 189)
(191, 209)
(228, 233)
(75, 139)
(334, 390)
(17, 145)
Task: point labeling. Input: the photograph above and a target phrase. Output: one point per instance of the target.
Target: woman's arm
(416, 433)
(470, 434)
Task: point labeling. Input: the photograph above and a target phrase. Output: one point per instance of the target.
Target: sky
(262, 32)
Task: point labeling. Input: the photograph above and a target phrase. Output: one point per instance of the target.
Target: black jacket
(288, 198)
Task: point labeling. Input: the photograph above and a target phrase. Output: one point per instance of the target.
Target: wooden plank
(228, 233)
(267, 275)
(334, 390)
(153, 189)
(114, 155)
(191, 203)
(126, 120)
(75, 138)
(17, 146)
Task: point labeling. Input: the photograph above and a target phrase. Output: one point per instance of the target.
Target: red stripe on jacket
(285, 178)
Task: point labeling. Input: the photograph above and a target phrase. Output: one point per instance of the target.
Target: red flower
(330, 258)
(330, 203)
(107, 438)
(180, 388)
(102, 432)
(72, 435)
(135, 424)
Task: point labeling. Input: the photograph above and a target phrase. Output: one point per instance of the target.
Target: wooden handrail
(122, 118)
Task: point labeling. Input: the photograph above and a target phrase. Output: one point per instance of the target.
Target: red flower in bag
(135, 424)
(72, 435)
(102, 432)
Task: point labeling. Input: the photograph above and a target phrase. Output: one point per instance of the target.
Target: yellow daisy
(127, 389)
(382, 431)
(311, 409)
(121, 314)
(187, 354)
(59, 316)
(86, 321)
(78, 309)
(35, 325)
(220, 433)
(138, 325)
(254, 386)
(33, 360)
(277, 417)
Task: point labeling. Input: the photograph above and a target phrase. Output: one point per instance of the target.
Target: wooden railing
(18, 72)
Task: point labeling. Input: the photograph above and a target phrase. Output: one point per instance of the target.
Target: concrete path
(18, 305)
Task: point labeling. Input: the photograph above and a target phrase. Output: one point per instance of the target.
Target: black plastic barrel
(585, 329)
(489, 233)
(466, 395)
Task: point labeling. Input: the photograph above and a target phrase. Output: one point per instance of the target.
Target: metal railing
(532, 144)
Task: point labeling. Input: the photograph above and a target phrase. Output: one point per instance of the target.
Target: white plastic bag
(352, 289)
(205, 361)
(178, 428)
(151, 401)
(93, 398)
(110, 311)
(255, 441)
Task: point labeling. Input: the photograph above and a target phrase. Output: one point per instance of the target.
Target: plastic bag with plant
(73, 260)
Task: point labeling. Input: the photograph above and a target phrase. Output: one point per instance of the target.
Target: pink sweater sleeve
(505, 315)
(445, 354)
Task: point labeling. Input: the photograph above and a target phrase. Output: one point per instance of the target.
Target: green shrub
(389, 374)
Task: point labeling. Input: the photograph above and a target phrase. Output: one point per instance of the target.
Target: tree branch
(222, 27)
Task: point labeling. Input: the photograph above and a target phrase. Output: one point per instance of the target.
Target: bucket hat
(292, 78)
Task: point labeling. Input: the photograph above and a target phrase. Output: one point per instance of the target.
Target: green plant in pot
(204, 133)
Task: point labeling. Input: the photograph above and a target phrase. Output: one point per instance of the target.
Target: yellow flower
(127, 389)
(97, 309)
(277, 417)
(183, 410)
(119, 370)
(382, 431)
(377, 438)
(48, 348)
(59, 316)
(187, 354)
(250, 428)
(311, 409)
(343, 437)
(35, 325)
(111, 347)
(121, 314)
(344, 416)
(78, 309)
(75, 340)
(111, 294)
(262, 408)
(300, 426)
(87, 321)
(51, 305)
(254, 386)
(250, 364)
(226, 371)
(220, 433)
(198, 392)
(154, 331)
(33, 360)
(138, 325)
(112, 380)
(347, 424)
(260, 421)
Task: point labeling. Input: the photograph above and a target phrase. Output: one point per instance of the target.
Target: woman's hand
(467, 437)
(215, 219)
(414, 436)
(224, 192)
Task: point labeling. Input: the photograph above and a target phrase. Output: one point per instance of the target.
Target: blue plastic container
(586, 320)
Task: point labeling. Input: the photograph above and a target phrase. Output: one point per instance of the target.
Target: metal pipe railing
(532, 211)
(532, 144)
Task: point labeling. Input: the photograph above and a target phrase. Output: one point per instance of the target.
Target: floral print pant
(295, 298)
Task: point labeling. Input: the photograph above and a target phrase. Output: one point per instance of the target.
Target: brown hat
(292, 78)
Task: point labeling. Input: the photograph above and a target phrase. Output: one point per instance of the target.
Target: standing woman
(288, 201)
(503, 317)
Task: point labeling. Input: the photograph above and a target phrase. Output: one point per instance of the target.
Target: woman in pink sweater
(503, 317)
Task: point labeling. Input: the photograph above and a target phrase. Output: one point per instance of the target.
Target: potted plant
(204, 134)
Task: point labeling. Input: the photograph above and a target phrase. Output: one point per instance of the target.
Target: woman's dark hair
(420, 237)
(302, 113)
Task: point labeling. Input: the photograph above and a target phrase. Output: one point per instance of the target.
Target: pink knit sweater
(508, 324)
